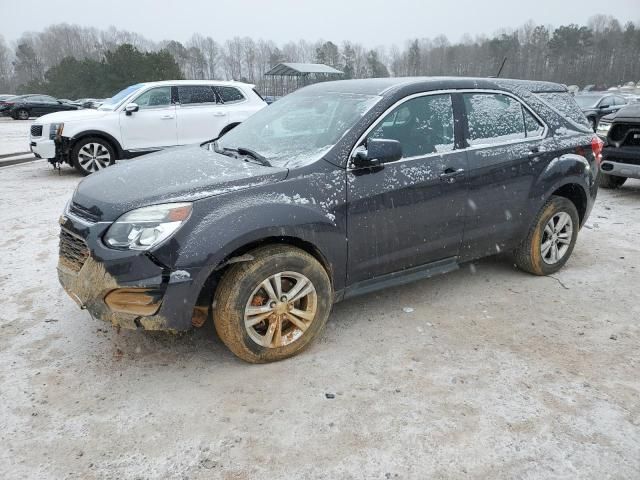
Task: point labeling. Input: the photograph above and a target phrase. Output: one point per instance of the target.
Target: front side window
(493, 118)
(230, 94)
(155, 98)
(422, 125)
(192, 94)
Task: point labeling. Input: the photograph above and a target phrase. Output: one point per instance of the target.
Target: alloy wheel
(280, 309)
(556, 238)
(93, 157)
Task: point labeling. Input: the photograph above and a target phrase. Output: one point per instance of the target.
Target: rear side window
(422, 125)
(230, 94)
(565, 105)
(532, 126)
(493, 118)
(196, 94)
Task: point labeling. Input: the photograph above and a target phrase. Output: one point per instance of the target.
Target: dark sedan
(338, 189)
(22, 107)
(598, 104)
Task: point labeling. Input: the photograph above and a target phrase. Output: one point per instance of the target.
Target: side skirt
(402, 277)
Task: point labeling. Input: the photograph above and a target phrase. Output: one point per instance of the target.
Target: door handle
(219, 114)
(167, 117)
(450, 175)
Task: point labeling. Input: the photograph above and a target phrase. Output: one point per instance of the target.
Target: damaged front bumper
(126, 288)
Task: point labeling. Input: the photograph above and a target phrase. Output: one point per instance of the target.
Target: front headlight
(55, 130)
(146, 227)
(603, 128)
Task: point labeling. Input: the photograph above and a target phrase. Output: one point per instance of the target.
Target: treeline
(603, 52)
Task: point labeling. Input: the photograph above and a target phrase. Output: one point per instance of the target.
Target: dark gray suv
(339, 189)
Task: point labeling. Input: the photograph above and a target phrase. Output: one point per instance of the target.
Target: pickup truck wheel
(22, 114)
(92, 154)
(272, 307)
(551, 238)
(611, 181)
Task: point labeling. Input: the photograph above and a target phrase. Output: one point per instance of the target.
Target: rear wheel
(551, 238)
(92, 154)
(273, 306)
(22, 114)
(611, 181)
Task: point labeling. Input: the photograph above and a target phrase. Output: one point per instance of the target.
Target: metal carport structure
(284, 78)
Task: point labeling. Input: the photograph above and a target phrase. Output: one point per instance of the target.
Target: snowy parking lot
(486, 372)
(14, 135)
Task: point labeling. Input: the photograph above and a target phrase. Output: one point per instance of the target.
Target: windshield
(587, 101)
(300, 127)
(113, 102)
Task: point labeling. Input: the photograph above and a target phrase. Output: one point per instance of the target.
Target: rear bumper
(127, 289)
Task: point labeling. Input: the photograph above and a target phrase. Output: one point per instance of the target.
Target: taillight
(596, 148)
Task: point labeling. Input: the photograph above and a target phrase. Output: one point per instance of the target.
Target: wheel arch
(242, 254)
(99, 134)
(576, 194)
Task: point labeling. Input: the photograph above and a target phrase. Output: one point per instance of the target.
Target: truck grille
(83, 213)
(36, 130)
(625, 135)
(73, 251)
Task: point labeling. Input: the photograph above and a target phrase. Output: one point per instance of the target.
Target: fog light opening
(136, 301)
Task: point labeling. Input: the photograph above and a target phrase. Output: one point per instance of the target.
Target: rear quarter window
(230, 94)
(565, 105)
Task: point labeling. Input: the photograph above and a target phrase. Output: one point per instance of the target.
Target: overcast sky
(371, 22)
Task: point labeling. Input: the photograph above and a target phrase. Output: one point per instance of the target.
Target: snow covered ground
(486, 372)
(14, 135)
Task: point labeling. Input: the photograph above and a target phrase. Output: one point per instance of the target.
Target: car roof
(383, 86)
(198, 82)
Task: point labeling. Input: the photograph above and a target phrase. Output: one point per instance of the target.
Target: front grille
(73, 251)
(83, 213)
(36, 130)
(623, 134)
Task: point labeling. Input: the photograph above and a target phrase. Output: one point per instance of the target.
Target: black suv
(621, 154)
(22, 107)
(338, 189)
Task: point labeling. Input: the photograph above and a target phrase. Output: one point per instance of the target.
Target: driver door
(154, 125)
(410, 212)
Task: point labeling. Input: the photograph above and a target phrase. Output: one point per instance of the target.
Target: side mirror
(132, 107)
(377, 152)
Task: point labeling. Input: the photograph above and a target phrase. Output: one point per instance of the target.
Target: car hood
(174, 175)
(72, 116)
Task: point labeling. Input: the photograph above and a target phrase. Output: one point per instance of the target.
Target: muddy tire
(22, 114)
(92, 154)
(273, 306)
(611, 181)
(551, 238)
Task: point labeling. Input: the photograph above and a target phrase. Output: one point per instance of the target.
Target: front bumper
(623, 161)
(43, 147)
(110, 284)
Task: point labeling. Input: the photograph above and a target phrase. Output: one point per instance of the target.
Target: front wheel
(551, 238)
(92, 154)
(611, 181)
(273, 306)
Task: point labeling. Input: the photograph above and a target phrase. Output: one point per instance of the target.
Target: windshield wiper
(247, 152)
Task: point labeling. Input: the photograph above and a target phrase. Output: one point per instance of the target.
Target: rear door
(410, 212)
(153, 125)
(505, 154)
(201, 116)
